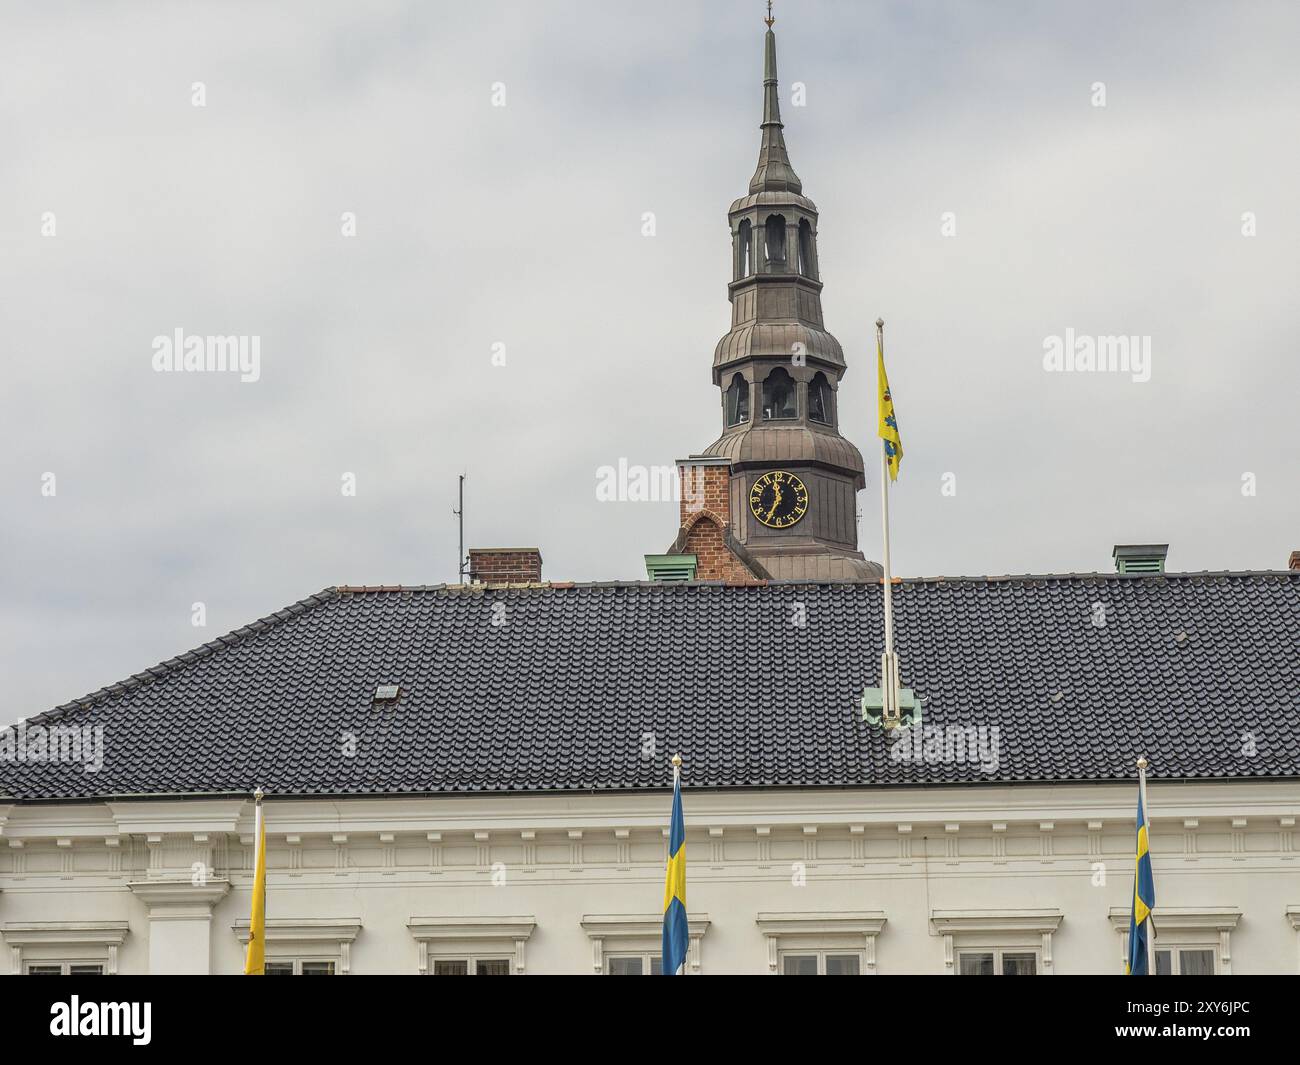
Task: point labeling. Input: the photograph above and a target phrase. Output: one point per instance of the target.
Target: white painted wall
(359, 871)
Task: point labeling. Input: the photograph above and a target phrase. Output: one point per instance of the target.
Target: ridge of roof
(478, 588)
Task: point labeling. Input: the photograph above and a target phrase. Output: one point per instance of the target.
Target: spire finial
(769, 20)
(774, 172)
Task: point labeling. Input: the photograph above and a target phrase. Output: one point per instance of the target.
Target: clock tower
(792, 479)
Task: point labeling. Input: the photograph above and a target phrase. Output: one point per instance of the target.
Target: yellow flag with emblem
(255, 960)
(888, 422)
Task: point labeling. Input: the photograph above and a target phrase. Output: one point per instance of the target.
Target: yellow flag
(255, 963)
(888, 422)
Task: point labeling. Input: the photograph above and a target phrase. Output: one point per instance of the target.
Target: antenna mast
(460, 514)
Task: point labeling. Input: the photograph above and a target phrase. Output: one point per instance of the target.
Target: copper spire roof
(774, 172)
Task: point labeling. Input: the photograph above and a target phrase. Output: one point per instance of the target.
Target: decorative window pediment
(310, 939)
(1185, 928)
(471, 937)
(59, 942)
(639, 934)
(1029, 930)
(817, 933)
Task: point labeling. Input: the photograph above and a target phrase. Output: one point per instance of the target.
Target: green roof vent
(1140, 558)
(670, 567)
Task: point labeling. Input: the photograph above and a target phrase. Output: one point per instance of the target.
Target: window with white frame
(300, 967)
(64, 968)
(632, 944)
(821, 944)
(821, 963)
(471, 966)
(1185, 961)
(306, 946)
(1189, 940)
(471, 946)
(1012, 942)
(644, 964)
(997, 962)
(64, 948)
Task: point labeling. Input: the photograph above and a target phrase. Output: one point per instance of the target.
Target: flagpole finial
(1142, 761)
(880, 323)
(770, 18)
(257, 795)
(677, 761)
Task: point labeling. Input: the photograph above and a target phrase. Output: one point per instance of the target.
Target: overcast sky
(522, 225)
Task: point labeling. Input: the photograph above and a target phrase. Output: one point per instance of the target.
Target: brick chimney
(704, 549)
(505, 565)
(706, 485)
(1294, 561)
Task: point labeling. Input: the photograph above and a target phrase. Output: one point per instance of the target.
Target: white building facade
(958, 880)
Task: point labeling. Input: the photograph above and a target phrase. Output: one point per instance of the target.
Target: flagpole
(1146, 816)
(888, 669)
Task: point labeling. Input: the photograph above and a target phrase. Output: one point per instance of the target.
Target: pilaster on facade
(180, 920)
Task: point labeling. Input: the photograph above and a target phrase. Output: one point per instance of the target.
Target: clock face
(778, 499)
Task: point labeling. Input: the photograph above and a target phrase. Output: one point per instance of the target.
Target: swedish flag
(1144, 893)
(888, 421)
(676, 935)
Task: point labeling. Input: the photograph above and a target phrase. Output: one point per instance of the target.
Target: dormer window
(774, 239)
(737, 401)
(779, 400)
(744, 250)
(819, 400)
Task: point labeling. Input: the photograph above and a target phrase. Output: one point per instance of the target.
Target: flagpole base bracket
(873, 708)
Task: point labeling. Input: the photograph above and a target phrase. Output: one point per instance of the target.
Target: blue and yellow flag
(888, 422)
(1144, 894)
(676, 935)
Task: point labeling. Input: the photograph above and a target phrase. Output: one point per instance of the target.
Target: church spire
(774, 172)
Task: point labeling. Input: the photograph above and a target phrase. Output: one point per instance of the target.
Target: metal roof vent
(387, 693)
(1140, 558)
(670, 567)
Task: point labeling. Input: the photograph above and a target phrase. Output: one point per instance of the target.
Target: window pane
(975, 964)
(451, 967)
(492, 967)
(44, 970)
(86, 970)
(624, 966)
(799, 965)
(1019, 964)
(1164, 963)
(1196, 963)
(278, 968)
(843, 965)
(318, 968)
(657, 965)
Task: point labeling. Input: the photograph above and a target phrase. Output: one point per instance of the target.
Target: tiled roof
(561, 687)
